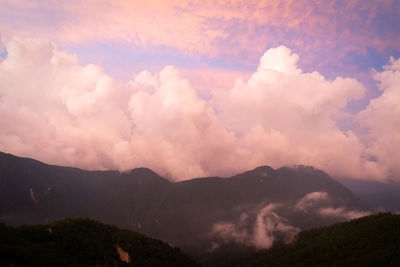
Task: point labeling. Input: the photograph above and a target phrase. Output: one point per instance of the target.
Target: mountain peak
(143, 171)
(263, 168)
(259, 171)
(147, 175)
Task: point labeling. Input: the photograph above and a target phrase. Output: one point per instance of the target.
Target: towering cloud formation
(382, 119)
(284, 116)
(55, 109)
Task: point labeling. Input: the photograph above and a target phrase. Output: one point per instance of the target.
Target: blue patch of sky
(114, 57)
(372, 59)
(227, 64)
(387, 23)
(365, 63)
(4, 54)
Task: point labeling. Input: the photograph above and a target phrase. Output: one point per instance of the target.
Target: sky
(203, 88)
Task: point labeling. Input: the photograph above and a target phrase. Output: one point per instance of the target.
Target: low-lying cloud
(57, 110)
(263, 233)
(272, 222)
(319, 203)
(309, 201)
(343, 213)
(268, 223)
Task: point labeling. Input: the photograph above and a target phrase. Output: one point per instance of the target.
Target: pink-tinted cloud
(206, 81)
(66, 113)
(382, 119)
(239, 30)
(55, 109)
(2, 47)
(284, 116)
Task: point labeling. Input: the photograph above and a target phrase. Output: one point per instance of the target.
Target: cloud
(265, 229)
(174, 126)
(2, 47)
(284, 116)
(55, 109)
(228, 29)
(382, 119)
(318, 203)
(309, 200)
(267, 224)
(343, 213)
(261, 228)
(230, 232)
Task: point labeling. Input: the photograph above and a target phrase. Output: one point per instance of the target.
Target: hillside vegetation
(83, 242)
(369, 241)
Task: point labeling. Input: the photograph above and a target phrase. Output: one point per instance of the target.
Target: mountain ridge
(188, 214)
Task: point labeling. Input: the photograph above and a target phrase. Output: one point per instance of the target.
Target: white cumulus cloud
(55, 109)
(382, 119)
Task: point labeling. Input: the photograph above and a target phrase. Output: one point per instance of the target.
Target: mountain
(368, 241)
(84, 242)
(203, 216)
(379, 195)
(388, 201)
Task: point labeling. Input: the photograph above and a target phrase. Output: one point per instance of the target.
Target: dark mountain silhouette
(185, 214)
(84, 242)
(368, 241)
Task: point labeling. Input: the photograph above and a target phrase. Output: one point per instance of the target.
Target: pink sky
(196, 88)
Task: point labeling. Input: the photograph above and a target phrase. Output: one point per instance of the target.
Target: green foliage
(368, 241)
(83, 242)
